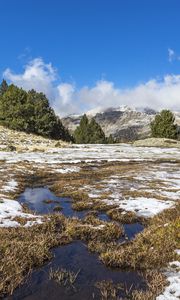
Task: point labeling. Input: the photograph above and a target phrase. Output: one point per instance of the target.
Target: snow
(172, 291)
(67, 160)
(90, 153)
(10, 186)
(177, 251)
(145, 207)
(9, 209)
(68, 170)
(94, 195)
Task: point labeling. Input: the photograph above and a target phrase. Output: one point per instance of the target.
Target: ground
(126, 183)
(158, 142)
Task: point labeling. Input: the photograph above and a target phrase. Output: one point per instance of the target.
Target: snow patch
(10, 186)
(9, 209)
(68, 170)
(172, 291)
(145, 207)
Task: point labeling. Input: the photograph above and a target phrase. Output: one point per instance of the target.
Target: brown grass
(154, 280)
(153, 248)
(22, 249)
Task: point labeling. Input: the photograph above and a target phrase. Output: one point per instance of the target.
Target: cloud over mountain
(66, 98)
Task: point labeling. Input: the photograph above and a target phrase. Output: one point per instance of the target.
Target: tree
(30, 112)
(163, 125)
(89, 132)
(97, 135)
(13, 109)
(81, 133)
(3, 87)
(110, 139)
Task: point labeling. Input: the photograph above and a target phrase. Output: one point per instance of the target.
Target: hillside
(12, 140)
(124, 123)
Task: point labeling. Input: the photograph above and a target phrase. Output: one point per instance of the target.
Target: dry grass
(92, 229)
(49, 201)
(22, 249)
(153, 248)
(63, 277)
(108, 290)
(22, 141)
(124, 217)
(154, 285)
(57, 208)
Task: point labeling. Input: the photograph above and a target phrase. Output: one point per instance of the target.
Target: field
(90, 222)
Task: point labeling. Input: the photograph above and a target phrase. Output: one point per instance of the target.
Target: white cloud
(66, 99)
(172, 55)
(37, 75)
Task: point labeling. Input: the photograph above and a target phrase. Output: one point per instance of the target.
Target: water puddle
(131, 230)
(74, 257)
(43, 201)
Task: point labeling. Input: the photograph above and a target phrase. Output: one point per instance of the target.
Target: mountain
(124, 123)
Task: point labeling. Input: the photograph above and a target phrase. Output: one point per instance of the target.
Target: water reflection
(43, 201)
(73, 257)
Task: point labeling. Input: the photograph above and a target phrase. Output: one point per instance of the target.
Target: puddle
(104, 217)
(131, 230)
(35, 198)
(74, 257)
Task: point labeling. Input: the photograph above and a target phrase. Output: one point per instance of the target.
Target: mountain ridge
(123, 123)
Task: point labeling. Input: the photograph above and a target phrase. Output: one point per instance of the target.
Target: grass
(155, 281)
(108, 290)
(151, 249)
(92, 229)
(63, 277)
(23, 249)
(49, 201)
(124, 217)
(153, 286)
(57, 208)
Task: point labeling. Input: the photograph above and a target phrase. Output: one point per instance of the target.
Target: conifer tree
(97, 135)
(163, 125)
(89, 132)
(3, 87)
(30, 112)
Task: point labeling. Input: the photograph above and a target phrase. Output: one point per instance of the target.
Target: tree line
(31, 112)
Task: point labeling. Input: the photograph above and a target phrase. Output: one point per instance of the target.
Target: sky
(87, 54)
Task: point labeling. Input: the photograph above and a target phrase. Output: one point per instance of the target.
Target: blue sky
(122, 42)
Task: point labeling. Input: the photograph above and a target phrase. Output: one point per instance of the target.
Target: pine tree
(30, 112)
(97, 135)
(81, 133)
(89, 132)
(110, 139)
(3, 87)
(163, 125)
